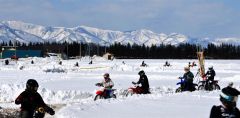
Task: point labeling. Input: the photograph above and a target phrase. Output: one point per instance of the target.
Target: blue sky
(195, 18)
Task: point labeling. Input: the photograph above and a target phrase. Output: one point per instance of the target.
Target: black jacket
(143, 80)
(31, 100)
(210, 74)
(221, 112)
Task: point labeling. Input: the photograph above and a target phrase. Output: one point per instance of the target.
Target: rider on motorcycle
(228, 109)
(30, 100)
(143, 80)
(188, 79)
(210, 75)
(107, 83)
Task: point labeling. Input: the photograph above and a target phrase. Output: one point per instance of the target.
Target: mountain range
(26, 33)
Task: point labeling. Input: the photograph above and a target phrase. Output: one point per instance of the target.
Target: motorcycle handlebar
(98, 84)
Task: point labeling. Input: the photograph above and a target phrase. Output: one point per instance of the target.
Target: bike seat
(195, 84)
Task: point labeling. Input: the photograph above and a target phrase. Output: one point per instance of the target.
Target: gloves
(17, 101)
(98, 84)
(50, 111)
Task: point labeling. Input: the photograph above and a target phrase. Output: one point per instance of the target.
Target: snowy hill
(9, 34)
(26, 32)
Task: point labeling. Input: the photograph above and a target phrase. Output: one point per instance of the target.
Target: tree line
(181, 51)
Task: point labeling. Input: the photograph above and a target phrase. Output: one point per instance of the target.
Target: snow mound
(9, 92)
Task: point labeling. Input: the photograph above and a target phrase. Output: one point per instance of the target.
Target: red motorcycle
(136, 89)
(103, 93)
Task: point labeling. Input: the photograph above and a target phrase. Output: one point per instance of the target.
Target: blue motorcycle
(182, 86)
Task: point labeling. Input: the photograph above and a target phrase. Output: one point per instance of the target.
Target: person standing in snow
(188, 79)
(32, 62)
(107, 83)
(228, 109)
(143, 64)
(90, 62)
(30, 100)
(143, 80)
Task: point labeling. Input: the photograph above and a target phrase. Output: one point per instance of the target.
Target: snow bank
(9, 92)
(75, 87)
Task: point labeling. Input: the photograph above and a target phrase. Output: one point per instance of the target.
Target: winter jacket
(188, 77)
(107, 83)
(221, 112)
(30, 101)
(210, 74)
(143, 80)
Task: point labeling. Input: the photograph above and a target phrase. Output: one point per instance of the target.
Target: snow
(233, 41)
(75, 87)
(27, 32)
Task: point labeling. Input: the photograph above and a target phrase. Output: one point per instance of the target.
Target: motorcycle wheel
(98, 97)
(128, 94)
(114, 96)
(178, 90)
(201, 87)
(216, 87)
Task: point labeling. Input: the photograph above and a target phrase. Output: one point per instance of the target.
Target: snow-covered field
(74, 87)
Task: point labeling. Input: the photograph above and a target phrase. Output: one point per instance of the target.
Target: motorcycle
(210, 85)
(135, 89)
(182, 86)
(103, 93)
(41, 111)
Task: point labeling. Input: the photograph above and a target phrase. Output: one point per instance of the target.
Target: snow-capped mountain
(9, 34)
(235, 41)
(26, 32)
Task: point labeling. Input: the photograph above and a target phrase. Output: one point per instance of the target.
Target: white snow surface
(75, 87)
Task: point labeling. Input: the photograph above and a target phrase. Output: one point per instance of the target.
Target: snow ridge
(26, 32)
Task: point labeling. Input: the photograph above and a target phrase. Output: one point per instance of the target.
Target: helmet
(32, 85)
(210, 68)
(229, 96)
(186, 68)
(106, 75)
(230, 84)
(141, 73)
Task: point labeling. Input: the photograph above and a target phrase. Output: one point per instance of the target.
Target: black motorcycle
(209, 86)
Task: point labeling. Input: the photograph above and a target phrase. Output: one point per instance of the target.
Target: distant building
(108, 56)
(21, 53)
(12, 52)
(57, 55)
(54, 49)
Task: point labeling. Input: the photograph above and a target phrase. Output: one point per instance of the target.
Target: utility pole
(80, 50)
(15, 43)
(89, 49)
(98, 49)
(105, 48)
(67, 48)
